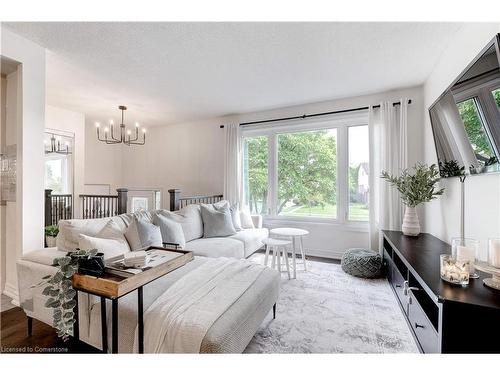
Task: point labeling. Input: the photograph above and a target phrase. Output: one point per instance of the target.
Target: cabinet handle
(419, 325)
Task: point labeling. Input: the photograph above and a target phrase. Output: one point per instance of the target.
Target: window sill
(354, 226)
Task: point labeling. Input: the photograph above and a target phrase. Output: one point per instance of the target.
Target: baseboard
(12, 292)
(332, 254)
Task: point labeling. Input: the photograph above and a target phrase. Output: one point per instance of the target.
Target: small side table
(279, 252)
(112, 287)
(296, 236)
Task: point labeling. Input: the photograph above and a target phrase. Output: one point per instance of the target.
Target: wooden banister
(177, 201)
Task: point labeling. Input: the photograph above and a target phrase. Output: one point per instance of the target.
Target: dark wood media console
(443, 318)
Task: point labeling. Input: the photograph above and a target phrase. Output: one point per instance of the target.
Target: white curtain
(388, 152)
(233, 190)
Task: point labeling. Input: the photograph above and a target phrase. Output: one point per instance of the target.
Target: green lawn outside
(357, 211)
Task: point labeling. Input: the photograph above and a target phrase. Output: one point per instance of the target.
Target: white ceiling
(175, 72)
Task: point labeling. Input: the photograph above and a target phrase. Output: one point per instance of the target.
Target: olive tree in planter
(415, 188)
(61, 293)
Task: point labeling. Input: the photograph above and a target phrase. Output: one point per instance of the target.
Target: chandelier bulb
(106, 129)
(128, 132)
(144, 130)
(111, 122)
(97, 124)
(136, 124)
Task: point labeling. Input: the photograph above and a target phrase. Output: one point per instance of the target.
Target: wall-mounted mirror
(466, 118)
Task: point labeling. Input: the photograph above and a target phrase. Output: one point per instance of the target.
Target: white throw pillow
(235, 215)
(171, 231)
(141, 235)
(189, 218)
(246, 219)
(109, 247)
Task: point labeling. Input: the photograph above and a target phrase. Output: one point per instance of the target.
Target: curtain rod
(313, 115)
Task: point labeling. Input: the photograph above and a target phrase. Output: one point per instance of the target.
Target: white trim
(341, 123)
(330, 254)
(12, 292)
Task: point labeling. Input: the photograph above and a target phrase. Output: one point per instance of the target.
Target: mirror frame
(496, 42)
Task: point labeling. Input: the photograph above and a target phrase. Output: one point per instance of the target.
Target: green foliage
(418, 187)
(451, 168)
(474, 129)
(61, 293)
(51, 230)
(496, 95)
(307, 169)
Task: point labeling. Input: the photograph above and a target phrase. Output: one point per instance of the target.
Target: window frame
(339, 122)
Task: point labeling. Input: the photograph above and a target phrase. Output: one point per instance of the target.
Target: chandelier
(55, 146)
(125, 135)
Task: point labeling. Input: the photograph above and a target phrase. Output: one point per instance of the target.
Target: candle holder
(494, 252)
(453, 270)
(466, 249)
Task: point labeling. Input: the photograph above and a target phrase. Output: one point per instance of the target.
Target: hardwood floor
(15, 339)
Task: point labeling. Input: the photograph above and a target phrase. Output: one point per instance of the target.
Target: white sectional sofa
(233, 330)
(240, 245)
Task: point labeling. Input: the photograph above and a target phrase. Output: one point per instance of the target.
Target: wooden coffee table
(114, 287)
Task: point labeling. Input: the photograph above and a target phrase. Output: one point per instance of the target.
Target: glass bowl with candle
(466, 250)
(453, 270)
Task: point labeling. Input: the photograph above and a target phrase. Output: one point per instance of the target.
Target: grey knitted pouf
(361, 263)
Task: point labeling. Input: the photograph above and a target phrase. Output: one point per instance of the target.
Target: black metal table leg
(114, 327)
(274, 311)
(76, 324)
(104, 328)
(140, 319)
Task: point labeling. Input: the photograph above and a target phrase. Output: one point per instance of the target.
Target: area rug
(325, 310)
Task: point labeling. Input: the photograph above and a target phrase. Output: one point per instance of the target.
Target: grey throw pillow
(217, 221)
(140, 235)
(171, 231)
(235, 216)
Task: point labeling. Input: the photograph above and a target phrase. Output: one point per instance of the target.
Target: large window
(307, 173)
(310, 171)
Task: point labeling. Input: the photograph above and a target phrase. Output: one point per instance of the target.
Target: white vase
(411, 225)
(51, 241)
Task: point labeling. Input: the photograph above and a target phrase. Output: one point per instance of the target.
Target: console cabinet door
(421, 325)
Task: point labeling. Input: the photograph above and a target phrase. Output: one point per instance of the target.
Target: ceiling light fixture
(55, 146)
(125, 134)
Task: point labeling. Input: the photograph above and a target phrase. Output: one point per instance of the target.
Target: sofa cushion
(69, 230)
(141, 234)
(44, 256)
(246, 218)
(217, 247)
(171, 231)
(251, 239)
(189, 218)
(110, 247)
(217, 221)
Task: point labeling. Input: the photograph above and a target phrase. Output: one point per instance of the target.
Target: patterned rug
(325, 310)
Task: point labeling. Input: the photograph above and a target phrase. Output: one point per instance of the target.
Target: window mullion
(342, 175)
(272, 198)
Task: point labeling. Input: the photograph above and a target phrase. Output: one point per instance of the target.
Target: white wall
(442, 217)
(190, 156)
(29, 218)
(103, 163)
(71, 122)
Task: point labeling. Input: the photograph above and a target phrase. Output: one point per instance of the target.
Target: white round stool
(296, 235)
(279, 252)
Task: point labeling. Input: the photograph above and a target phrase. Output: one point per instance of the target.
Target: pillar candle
(494, 252)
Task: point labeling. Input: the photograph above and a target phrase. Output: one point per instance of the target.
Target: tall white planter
(411, 225)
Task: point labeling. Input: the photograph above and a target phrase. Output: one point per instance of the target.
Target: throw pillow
(235, 215)
(246, 219)
(140, 235)
(189, 218)
(217, 221)
(171, 231)
(108, 246)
